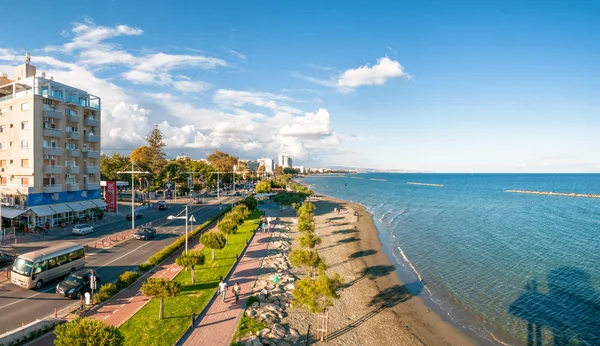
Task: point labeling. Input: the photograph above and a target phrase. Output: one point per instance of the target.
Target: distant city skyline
(494, 86)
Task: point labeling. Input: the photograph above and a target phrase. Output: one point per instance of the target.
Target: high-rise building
(285, 160)
(268, 164)
(49, 149)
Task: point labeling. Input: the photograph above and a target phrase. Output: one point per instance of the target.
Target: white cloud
(309, 125)
(235, 98)
(188, 86)
(88, 35)
(385, 69)
(238, 54)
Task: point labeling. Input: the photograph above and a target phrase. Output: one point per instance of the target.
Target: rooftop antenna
(27, 56)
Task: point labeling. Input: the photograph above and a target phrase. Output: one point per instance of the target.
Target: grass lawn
(144, 328)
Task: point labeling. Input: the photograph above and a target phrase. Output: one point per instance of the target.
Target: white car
(82, 229)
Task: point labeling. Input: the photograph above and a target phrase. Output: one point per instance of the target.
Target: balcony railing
(73, 135)
(54, 114)
(72, 187)
(49, 169)
(73, 100)
(92, 186)
(90, 154)
(91, 170)
(92, 138)
(73, 118)
(73, 153)
(55, 151)
(52, 188)
(91, 122)
(56, 133)
(72, 169)
(93, 106)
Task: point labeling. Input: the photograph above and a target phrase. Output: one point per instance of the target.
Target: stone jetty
(549, 193)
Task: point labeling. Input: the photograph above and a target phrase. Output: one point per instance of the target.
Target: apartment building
(268, 164)
(49, 149)
(285, 160)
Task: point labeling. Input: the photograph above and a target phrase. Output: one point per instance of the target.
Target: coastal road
(19, 305)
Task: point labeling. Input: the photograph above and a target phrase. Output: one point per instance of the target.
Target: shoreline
(405, 316)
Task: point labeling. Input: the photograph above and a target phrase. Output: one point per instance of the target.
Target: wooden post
(322, 325)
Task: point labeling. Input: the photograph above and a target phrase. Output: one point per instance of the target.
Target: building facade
(49, 149)
(269, 165)
(285, 160)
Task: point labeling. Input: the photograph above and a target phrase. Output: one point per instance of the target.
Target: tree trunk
(213, 254)
(161, 311)
(193, 275)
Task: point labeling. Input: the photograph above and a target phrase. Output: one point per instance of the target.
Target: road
(19, 305)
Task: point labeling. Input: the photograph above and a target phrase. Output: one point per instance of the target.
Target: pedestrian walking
(264, 227)
(236, 289)
(45, 228)
(269, 220)
(223, 289)
(335, 210)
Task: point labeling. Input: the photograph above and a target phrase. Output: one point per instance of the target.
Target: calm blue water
(514, 267)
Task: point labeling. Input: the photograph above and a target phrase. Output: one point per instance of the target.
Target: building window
(25, 106)
(70, 112)
(25, 163)
(2, 128)
(71, 146)
(3, 146)
(2, 163)
(24, 181)
(24, 125)
(3, 181)
(24, 144)
(3, 111)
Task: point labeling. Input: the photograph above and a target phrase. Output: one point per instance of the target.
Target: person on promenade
(269, 220)
(223, 289)
(236, 289)
(45, 228)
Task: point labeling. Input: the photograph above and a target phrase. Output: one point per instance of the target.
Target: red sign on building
(111, 196)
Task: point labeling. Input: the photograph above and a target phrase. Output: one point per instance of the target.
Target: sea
(506, 268)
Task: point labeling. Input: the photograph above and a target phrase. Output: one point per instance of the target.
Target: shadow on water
(570, 310)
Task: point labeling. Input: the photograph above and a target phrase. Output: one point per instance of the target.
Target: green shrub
(105, 292)
(248, 325)
(127, 278)
(251, 300)
(144, 267)
(250, 202)
(86, 331)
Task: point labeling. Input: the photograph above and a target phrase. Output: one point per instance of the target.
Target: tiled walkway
(218, 324)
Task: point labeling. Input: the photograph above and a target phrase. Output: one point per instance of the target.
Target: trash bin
(88, 298)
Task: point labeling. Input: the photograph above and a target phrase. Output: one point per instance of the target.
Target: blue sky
(461, 86)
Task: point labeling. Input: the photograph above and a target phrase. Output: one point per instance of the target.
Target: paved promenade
(217, 326)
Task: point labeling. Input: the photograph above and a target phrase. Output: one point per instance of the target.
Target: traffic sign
(192, 218)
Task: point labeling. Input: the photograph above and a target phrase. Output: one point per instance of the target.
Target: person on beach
(236, 289)
(223, 289)
(335, 210)
(265, 292)
(269, 220)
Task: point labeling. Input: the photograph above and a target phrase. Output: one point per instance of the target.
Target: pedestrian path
(218, 324)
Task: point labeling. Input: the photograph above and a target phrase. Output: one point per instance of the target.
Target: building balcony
(72, 169)
(73, 118)
(73, 153)
(49, 169)
(72, 187)
(72, 100)
(91, 170)
(54, 114)
(90, 154)
(54, 151)
(91, 122)
(92, 186)
(92, 106)
(92, 138)
(52, 188)
(73, 135)
(56, 133)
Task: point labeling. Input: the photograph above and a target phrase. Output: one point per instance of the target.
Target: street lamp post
(190, 219)
(133, 171)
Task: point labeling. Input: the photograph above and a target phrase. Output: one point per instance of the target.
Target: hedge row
(110, 289)
(169, 250)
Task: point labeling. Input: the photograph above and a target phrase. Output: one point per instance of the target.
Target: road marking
(130, 299)
(107, 316)
(122, 305)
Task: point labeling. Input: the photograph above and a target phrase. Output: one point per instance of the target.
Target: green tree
(191, 260)
(278, 171)
(307, 207)
(236, 217)
(161, 289)
(290, 170)
(317, 294)
(263, 187)
(309, 240)
(156, 143)
(228, 226)
(308, 259)
(242, 209)
(110, 165)
(223, 162)
(250, 202)
(89, 332)
(142, 158)
(213, 241)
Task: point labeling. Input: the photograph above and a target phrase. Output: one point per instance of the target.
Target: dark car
(6, 259)
(145, 234)
(237, 194)
(138, 215)
(77, 283)
(162, 205)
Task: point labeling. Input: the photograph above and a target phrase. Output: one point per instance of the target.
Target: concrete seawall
(564, 194)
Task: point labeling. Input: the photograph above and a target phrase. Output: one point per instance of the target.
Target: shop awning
(11, 213)
(88, 204)
(76, 206)
(61, 208)
(99, 203)
(42, 210)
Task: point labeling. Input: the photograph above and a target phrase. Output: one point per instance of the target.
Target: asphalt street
(19, 305)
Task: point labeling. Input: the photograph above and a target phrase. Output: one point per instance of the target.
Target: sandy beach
(375, 306)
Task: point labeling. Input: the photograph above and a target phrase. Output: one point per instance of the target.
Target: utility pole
(133, 171)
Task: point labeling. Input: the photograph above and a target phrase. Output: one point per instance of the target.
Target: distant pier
(565, 194)
(376, 179)
(425, 184)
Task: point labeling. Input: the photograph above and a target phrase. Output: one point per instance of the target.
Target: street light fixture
(133, 171)
(190, 219)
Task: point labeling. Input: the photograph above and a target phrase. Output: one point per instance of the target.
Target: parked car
(162, 205)
(82, 229)
(6, 258)
(77, 283)
(145, 234)
(138, 215)
(237, 193)
(198, 201)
